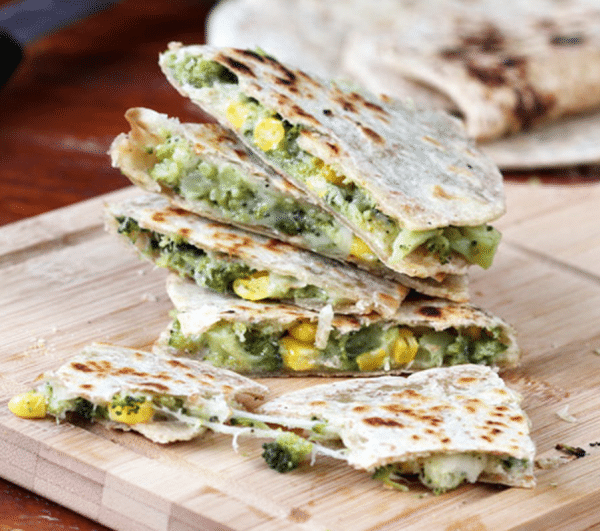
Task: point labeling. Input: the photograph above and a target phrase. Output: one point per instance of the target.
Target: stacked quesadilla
(321, 204)
(314, 230)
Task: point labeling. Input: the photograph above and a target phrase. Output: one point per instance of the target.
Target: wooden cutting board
(66, 283)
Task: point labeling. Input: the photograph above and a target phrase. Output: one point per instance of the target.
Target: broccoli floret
(286, 452)
(389, 476)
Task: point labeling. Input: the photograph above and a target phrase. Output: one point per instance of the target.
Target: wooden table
(58, 116)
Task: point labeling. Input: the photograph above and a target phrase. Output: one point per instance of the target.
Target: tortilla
(250, 266)
(446, 425)
(204, 169)
(398, 177)
(402, 49)
(284, 340)
(164, 399)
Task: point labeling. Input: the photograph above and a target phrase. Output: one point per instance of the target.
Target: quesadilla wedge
(204, 169)
(278, 340)
(407, 182)
(250, 266)
(446, 426)
(164, 399)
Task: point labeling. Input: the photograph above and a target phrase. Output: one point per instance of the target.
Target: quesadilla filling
(124, 408)
(277, 138)
(226, 190)
(439, 472)
(269, 348)
(217, 271)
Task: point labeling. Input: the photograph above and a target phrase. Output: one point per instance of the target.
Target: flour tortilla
(461, 410)
(198, 310)
(352, 290)
(416, 166)
(134, 154)
(391, 47)
(101, 371)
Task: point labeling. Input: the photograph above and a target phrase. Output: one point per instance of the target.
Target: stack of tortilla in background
(315, 229)
(524, 76)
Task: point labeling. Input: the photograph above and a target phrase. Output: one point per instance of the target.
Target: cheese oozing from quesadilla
(162, 398)
(446, 426)
(294, 148)
(275, 339)
(229, 260)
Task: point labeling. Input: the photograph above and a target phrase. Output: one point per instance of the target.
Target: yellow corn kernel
(371, 361)
(268, 133)
(332, 176)
(361, 250)
(135, 414)
(29, 405)
(236, 114)
(405, 347)
(254, 287)
(304, 331)
(297, 355)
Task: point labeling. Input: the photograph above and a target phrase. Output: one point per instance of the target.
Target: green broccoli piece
(389, 476)
(286, 452)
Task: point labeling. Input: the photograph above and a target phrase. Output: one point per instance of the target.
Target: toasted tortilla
(346, 288)
(199, 311)
(415, 166)
(459, 412)
(100, 372)
(279, 209)
(397, 48)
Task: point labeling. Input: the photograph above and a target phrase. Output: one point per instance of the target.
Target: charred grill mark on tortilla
(431, 311)
(378, 421)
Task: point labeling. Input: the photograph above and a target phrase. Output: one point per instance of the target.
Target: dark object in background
(24, 22)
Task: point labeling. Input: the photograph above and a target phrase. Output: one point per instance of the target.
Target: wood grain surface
(57, 117)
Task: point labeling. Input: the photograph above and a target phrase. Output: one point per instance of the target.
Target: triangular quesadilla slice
(204, 169)
(277, 340)
(250, 266)
(407, 182)
(164, 399)
(446, 426)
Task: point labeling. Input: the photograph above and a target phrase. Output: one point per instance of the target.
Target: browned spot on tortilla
(430, 311)
(155, 385)
(438, 191)
(372, 135)
(235, 66)
(531, 105)
(159, 217)
(574, 39)
(432, 140)
(86, 386)
(318, 403)
(241, 154)
(487, 438)
(387, 423)
(415, 437)
(361, 409)
(467, 380)
(517, 418)
(82, 367)
(405, 393)
(252, 54)
(446, 440)
(185, 232)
